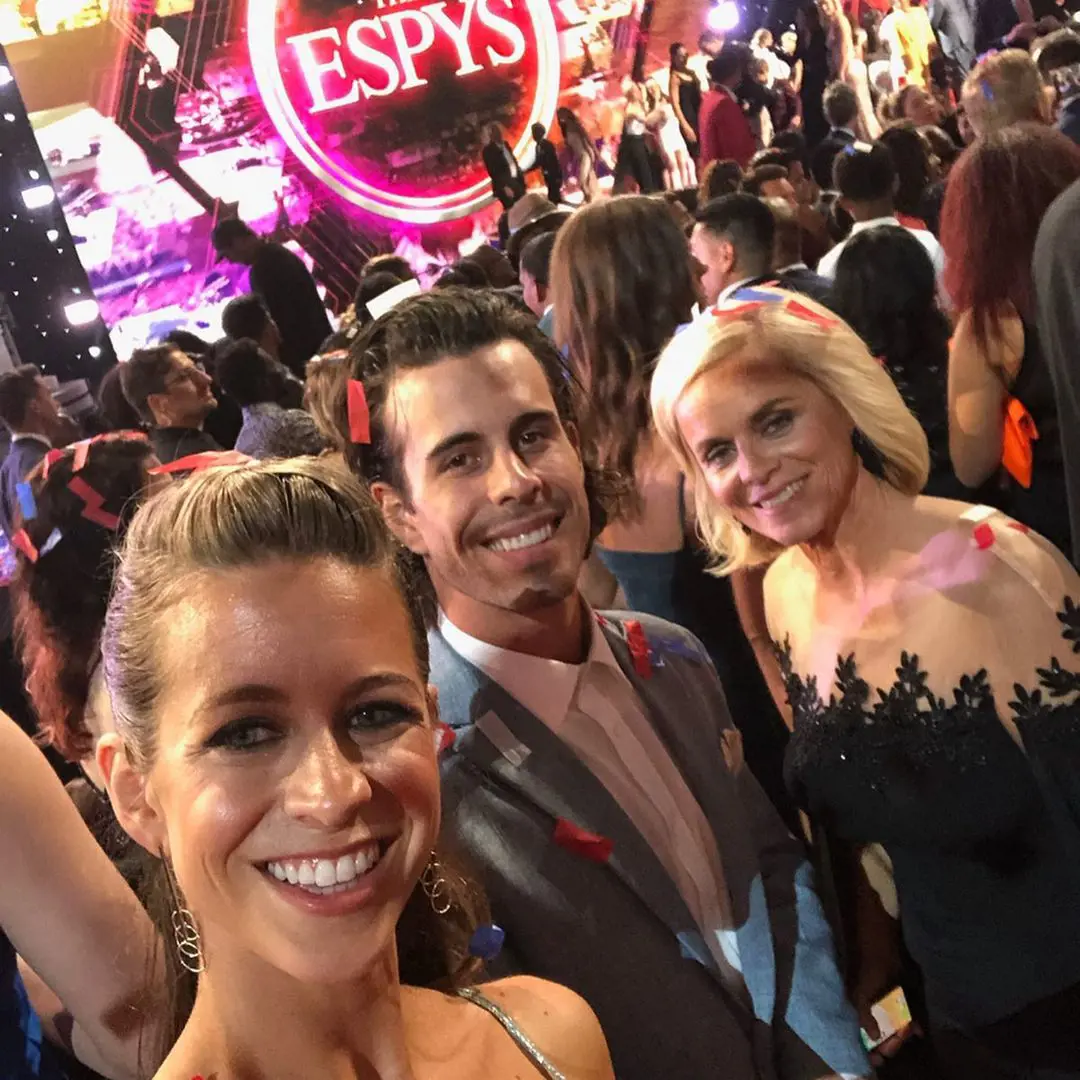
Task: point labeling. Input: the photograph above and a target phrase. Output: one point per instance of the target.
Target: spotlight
(94, 351)
(52, 235)
(5, 75)
(34, 198)
(723, 16)
(81, 312)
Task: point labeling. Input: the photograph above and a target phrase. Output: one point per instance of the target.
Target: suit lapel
(551, 778)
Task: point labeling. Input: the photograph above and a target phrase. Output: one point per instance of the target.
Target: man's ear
(398, 516)
(728, 257)
(131, 795)
(158, 404)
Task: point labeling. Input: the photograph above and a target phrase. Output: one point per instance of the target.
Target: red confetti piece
(1019, 526)
(640, 652)
(92, 511)
(738, 311)
(359, 414)
(23, 542)
(984, 536)
(582, 842)
(51, 458)
(444, 738)
(206, 459)
(801, 311)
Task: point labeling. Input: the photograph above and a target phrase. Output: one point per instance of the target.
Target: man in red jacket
(725, 131)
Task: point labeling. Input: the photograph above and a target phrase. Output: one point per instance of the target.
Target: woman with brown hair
(1003, 423)
(622, 284)
(276, 751)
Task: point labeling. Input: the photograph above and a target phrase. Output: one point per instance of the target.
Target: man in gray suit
(595, 781)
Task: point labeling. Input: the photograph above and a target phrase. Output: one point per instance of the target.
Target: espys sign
(387, 102)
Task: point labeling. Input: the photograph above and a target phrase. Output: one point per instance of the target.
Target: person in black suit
(507, 179)
(547, 161)
(789, 269)
(841, 109)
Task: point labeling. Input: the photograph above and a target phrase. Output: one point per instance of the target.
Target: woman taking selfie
(929, 650)
(275, 748)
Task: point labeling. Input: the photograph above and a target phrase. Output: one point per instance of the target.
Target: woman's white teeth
(524, 540)
(781, 496)
(326, 875)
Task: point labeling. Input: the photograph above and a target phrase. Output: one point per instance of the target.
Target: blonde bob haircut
(809, 341)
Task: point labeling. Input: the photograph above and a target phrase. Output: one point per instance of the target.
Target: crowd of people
(650, 650)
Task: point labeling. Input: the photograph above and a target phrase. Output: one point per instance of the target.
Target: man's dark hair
(473, 273)
(397, 265)
(370, 287)
(864, 174)
(773, 156)
(230, 230)
(840, 105)
(18, 389)
(763, 174)
(536, 257)
(145, 374)
(538, 132)
(247, 373)
(115, 409)
(1061, 49)
(794, 143)
(187, 342)
(747, 223)
(426, 329)
(245, 317)
(729, 61)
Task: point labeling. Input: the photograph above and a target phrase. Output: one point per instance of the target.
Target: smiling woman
(928, 651)
(276, 750)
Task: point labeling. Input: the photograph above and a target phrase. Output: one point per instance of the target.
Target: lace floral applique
(906, 726)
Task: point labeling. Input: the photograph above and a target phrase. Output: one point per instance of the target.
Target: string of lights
(55, 323)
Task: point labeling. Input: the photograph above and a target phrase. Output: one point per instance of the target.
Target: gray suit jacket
(618, 932)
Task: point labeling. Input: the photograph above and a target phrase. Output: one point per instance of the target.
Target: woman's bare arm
(68, 913)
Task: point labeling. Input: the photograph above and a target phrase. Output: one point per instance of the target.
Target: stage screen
(337, 128)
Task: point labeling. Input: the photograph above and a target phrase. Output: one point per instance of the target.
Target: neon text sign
(385, 102)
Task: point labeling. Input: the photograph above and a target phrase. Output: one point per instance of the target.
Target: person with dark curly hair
(1000, 390)
(886, 292)
(261, 386)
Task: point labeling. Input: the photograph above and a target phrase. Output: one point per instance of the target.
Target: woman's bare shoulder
(559, 1022)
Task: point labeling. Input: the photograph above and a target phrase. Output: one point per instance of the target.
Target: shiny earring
(436, 887)
(185, 930)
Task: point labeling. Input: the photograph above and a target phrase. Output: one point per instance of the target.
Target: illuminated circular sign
(387, 102)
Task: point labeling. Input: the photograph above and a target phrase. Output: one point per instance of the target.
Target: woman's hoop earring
(185, 930)
(436, 887)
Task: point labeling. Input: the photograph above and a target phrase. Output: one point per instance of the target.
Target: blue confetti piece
(487, 942)
(679, 647)
(26, 501)
(749, 295)
(54, 538)
(692, 947)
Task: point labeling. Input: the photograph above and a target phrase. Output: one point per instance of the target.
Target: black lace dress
(982, 833)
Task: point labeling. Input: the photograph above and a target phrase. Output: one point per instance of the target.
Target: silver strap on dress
(525, 1044)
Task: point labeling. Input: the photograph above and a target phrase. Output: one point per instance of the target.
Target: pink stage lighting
(386, 104)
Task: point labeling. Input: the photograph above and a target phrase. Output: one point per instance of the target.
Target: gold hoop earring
(436, 887)
(185, 929)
